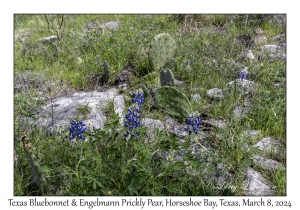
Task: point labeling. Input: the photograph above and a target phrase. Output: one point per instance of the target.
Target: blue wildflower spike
(194, 122)
(243, 75)
(77, 129)
(138, 98)
(133, 115)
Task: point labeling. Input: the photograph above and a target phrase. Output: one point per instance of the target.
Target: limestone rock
(279, 38)
(271, 145)
(215, 93)
(195, 97)
(270, 48)
(248, 55)
(240, 112)
(220, 123)
(152, 124)
(87, 105)
(267, 164)
(252, 133)
(48, 39)
(119, 106)
(256, 185)
(173, 126)
(178, 82)
(110, 25)
(243, 85)
(280, 56)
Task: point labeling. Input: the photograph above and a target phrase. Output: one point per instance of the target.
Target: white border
(154, 6)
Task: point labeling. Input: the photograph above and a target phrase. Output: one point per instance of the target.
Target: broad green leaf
(177, 166)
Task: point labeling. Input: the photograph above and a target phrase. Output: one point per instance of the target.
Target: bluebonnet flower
(77, 129)
(138, 98)
(193, 122)
(243, 75)
(133, 116)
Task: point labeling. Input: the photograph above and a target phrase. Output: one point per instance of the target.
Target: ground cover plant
(122, 158)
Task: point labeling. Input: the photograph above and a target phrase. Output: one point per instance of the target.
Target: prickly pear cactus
(175, 103)
(162, 49)
(38, 176)
(145, 90)
(106, 71)
(167, 78)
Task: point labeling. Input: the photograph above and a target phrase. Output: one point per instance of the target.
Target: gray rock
(152, 124)
(154, 90)
(279, 38)
(256, 185)
(245, 86)
(119, 106)
(61, 110)
(248, 54)
(274, 48)
(222, 178)
(220, 123)
(269, 145)
(123, 86)
(215, 93)
(110, 25)
(280, 56)
(252, 133)
(267, 164)
(173, 126)
(196, 148)
(240, 112)
(196, 97)
(48, 39)
(270, 48)
(178, 82)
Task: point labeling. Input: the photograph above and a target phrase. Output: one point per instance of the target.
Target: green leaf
(130, 191)
(88, 153)
(99, 184)
(94, 185)
(89, 180)
(177, 166)
(186, 144)
(173, 187)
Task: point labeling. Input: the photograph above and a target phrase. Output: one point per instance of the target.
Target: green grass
(108, 164)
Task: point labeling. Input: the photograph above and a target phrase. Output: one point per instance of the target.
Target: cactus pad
(175, 103)
(38, 176)
(162, 49)
(167, 78)
(106, 71)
